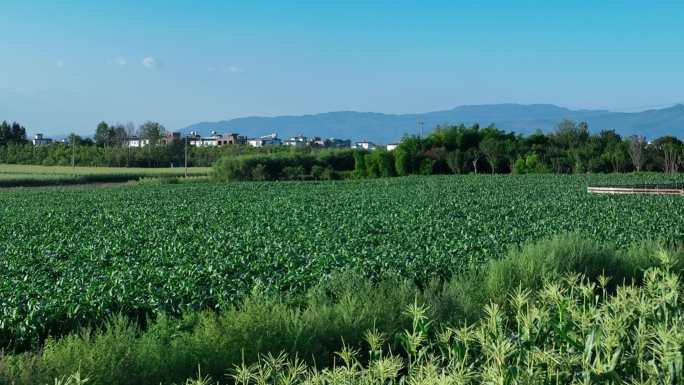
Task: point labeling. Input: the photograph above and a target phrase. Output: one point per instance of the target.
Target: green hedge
(324, 164)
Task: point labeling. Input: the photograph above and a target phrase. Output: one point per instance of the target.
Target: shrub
(317, 171)
(281, 165)
(530, 265)
(360, 169)
(426, 166)
(530, 165)
(259, 173)
(293, 172)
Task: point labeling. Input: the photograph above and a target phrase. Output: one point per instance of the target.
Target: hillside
(386, 128)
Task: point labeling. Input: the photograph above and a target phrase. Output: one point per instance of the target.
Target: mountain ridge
(387, 128)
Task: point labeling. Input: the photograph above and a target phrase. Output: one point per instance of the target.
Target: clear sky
(65, 65)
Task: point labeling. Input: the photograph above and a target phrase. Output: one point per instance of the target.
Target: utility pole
(73, 151)
(186, 155)
(128, 148)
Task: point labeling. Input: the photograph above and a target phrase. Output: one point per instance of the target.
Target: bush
(426, 166)
(293, 172)
(281, 165)
(317, 172)
(360, 169)
(530, 265)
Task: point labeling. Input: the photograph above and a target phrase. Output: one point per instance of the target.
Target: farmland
(71, 258)
(28, 176)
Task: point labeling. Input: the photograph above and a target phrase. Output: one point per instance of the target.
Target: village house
(338, 143)
(136, 142)
(296, 141)
(364, 145)
(169, 138)
(39, 140)
(264, 141)
(230, 139)
(204, 141)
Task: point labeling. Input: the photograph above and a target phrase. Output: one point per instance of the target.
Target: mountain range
(389, 128)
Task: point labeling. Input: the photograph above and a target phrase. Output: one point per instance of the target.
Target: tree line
(449, 149)
(570, 148)
(108, 147)
(13, 133)
(461, 149)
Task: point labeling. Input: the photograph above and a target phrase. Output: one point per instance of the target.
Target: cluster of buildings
(214, 140)
(299, 141)
(265, 141)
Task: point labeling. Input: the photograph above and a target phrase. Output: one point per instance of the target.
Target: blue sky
(66, 65)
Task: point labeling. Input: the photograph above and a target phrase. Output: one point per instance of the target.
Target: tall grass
(569, 331)
(527, 318)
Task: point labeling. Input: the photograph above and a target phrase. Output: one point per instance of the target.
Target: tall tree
(569, 134)
(473, 155)
(494, 151)
(637, 149)
(671, 149)
(12, 133)
(152, 131)
(103, 134)
(119, 134)
(455, 160)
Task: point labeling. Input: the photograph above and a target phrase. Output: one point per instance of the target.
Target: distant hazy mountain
(387, 128)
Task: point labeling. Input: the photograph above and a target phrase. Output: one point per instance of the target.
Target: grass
(29, 176)
(550, 326)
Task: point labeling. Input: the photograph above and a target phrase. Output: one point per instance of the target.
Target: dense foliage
(285, 165)
(571, 148)
(84, 154)
(13, 133)
(69, 258)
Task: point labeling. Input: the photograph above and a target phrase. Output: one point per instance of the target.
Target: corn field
(570, 332)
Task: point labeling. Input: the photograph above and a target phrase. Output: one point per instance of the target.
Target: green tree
(455, 161)
(152, 131)
(494, 151)
(406, 156)
(359, 164)
(103, 134)
(13, 133)
(637, 151)
(671, 150)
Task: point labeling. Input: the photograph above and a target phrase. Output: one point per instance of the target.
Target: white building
(136, 142)
(208, 141)
(39, 140)
(392, 146)
(364, 145)
(263, 141)
(296, 141)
